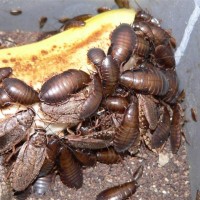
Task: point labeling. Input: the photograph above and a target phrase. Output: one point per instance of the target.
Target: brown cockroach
(108, 156)
(127, 134)
(164, 57)
(161, 133)
(14, 129)
(58, 88)
(122, 3)
(6, 192)
(122, 191)
(94, 98)
(71, 23)
(42, 21)
(96, 56)
(82, 142)
(194, 114)
(68, 112)
(149, 80)
(143, 29)
(109, 72)
(115, 104)
(161, 36)
(52, 151)
(141, 15)
(149, 108)
(5, 72)
(103, 9)
(42, 185)
(156, 34)
(176, 127)
(82, 17)
(69, 169)
(142, 47)
(19, 91)
(123, 41)
(5, 100)
(172, 96)
(87, 158)
(29, 161)
(105, 134)
(143, 123)
(15, 11)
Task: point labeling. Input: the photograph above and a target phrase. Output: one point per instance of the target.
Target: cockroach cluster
(132, 99)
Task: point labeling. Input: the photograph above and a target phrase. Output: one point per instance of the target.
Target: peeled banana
(34, 63)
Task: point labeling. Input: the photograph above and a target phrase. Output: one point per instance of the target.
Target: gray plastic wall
(180, 16)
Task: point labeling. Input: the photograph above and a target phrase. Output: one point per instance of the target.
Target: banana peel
(34, 63)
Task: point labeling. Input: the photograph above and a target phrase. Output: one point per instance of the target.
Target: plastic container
(181, 16)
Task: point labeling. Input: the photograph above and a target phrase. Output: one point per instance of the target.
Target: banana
(34, 63)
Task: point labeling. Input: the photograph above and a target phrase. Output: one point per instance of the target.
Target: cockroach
(96, 56)
(142, 47)
(127, 134)
(149, 80)
(143, 29)
(105, 134)
(115, 104)
(6, 192)
(194, 114)
(94, 98)
(71, 23)
(52, 151)
(68, 112)
(58, 88)
(15, 11)
(141, 15)
(122, 3)
(19, 91)
(109, 72)
(123, 41)
(5, 72)
(103, 9)
(82, 17)
(164, 57)
(108, 156)
(69, 169)
(143, 123)
(176, 127)
(161, 133)
(42, 185)
(87, 158)
(5, 100)
(172, 96)
(42, 21)
(161, 36)
(14, 129)
(29, 161)
(82, 142)
(150, 110)
(122, 191)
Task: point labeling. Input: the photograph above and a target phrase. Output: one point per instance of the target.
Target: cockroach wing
(27, 166)
(14, 129)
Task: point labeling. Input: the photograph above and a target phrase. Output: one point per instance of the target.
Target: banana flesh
(35, 63)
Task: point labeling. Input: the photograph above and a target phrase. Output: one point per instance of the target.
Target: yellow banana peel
(36, 62)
